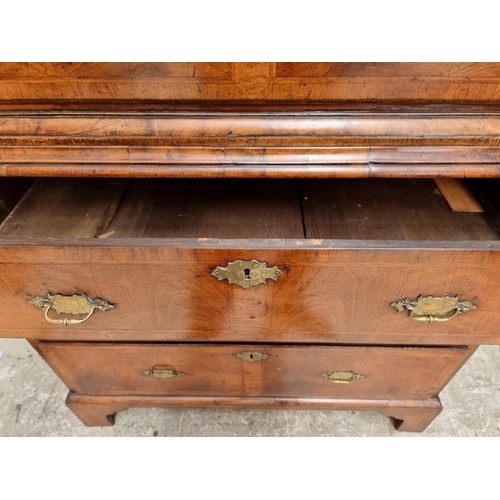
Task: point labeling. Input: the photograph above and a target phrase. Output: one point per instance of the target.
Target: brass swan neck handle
(76, 305)
(430, 309)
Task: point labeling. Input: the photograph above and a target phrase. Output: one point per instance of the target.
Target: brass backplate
(247, 273)
(251, 356)
(164, 373)
(77, 305)
(342, 377)
(434, 307)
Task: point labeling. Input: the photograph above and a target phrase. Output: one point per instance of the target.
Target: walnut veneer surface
(157, 214)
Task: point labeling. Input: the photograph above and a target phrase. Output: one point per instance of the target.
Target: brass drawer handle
(432, 309)
(77, 305)
(247, 273)
(66, 321)
(342, 377)
(163, 373)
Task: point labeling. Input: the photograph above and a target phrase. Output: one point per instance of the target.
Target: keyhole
(246, 274)
(251, 356)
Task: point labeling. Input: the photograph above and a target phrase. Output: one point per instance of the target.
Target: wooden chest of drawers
(236, 255)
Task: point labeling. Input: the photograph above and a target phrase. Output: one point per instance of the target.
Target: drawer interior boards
(352, 209)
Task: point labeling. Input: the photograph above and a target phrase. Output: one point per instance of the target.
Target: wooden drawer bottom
(254, 370)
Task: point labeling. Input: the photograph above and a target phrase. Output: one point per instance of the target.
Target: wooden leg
(95, 414)
(412, 419)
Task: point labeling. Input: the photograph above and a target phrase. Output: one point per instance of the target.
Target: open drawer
(322, 261)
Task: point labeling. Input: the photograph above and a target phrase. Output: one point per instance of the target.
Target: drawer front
(253, 370)
(323, 294)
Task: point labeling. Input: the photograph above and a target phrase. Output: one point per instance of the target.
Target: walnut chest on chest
(310, 245)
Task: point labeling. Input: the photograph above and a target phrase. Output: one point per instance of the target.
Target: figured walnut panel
(132, 81)
(398, 373)
(250, 81)
(164, 290)
(385, 81)
(104, 71)
(377, 70)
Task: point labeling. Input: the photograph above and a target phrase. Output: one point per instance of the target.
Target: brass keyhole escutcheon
(251, 356)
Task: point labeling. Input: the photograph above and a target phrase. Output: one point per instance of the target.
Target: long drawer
(253, 370)
(166, 291)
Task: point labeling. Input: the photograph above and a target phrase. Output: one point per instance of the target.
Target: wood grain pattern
(250, 80)
(251, 143)
(411, 416)
(386, 209)
(216, 127)
(325, 295)
(383, 70)
(384, 81)
(136, 207)
(56, 208)
(149, 246)
(242, 209)
(133, 81)
(132, 107)
(458, 196)
(289, 371)
(112, 71)
(226, 209)
(258, 171)
(159, 209)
